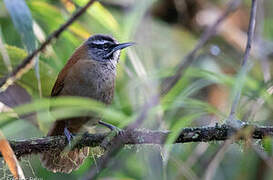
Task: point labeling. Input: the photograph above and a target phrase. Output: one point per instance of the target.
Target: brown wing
(59, 84)
(58, 126)
(57, 160)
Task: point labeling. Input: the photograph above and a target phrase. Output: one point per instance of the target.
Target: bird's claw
(115, 131)
(109, 126)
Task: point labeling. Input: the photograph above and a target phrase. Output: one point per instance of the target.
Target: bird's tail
(62, 161)
(59, 160)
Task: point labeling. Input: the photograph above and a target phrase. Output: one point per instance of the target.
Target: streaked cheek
(116, 55)
(99, 53)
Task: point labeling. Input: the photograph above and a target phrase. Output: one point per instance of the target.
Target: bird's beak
(120, 46)
(123, 45)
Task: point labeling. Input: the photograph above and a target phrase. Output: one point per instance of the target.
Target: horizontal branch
(195, 134)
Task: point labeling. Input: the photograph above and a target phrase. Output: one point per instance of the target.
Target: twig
(188, 60)
(250, 34)
(28, 62)
(195, 134)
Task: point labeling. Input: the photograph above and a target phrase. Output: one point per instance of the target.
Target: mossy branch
(195, 134)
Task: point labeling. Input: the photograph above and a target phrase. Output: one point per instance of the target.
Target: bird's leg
(114, 132)
(69, 136)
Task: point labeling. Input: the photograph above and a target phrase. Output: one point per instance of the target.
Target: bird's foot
(69, 136)
(115, 131)
(113, 128)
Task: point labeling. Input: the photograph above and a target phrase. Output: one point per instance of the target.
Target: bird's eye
(105, 46)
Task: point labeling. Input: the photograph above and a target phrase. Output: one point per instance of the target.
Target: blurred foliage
(165, 31)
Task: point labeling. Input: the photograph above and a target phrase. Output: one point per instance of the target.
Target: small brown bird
(90, 72)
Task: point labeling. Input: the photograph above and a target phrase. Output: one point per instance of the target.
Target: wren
(90, 72)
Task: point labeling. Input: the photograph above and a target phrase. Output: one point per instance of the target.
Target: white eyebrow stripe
(100, 42)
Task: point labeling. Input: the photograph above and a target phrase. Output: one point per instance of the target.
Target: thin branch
(189, 58)
(28, 62)
(195, 134)
(250, 34)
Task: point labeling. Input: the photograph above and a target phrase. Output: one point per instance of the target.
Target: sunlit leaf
(28, 80)
(102, 15)
(52, 17)
(22, 20)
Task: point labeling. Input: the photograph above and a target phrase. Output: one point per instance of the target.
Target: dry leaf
(10, 158)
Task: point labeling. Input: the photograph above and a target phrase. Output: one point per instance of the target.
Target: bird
(90, 72)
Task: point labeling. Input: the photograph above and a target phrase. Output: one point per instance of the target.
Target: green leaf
(22, 20)
(64, 107)
(101, 15)
(267, 145)
(4, 52)
(52, 18)
(181, 123)
(28, 80)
